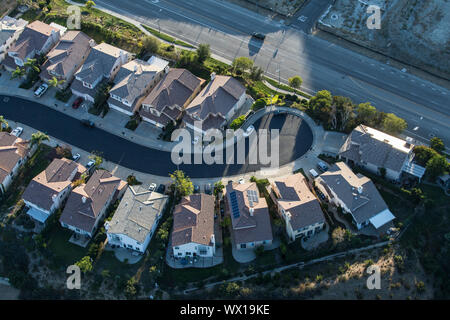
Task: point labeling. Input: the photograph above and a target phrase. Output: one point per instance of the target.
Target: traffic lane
(135, 156)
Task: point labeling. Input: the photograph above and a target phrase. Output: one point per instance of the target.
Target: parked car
(249, 131)
(88, 123)
(313, 173)
(161, 189)
(17, 131)
(152, 187)
(258, 35)
(90, 165)
(77, 103)
(41, 90)
(322, 166)
(196, 188)
(76, 157)
(208, 188)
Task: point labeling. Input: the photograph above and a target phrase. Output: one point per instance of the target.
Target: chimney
(53, 197)
(251, 211)
(289, 216)
(360, 189)
(83, 199)
(213, 239)
(92, 43)
(213, 76)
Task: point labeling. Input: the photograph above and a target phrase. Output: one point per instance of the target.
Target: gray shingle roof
(12, 149)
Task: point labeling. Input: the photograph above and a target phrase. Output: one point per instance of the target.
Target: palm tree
(3, 122)
(32, 64)
(18, 73)
(54, 82)
(38, 137)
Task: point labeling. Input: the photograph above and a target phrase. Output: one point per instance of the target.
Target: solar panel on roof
(234, 205)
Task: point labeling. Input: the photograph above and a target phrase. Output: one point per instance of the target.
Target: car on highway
(76, 157)
(249, 131)
(88, 123)
(77, 103)
(258, 35)
(17, 131)
(152, 187)
(41, 90)
(161, 189)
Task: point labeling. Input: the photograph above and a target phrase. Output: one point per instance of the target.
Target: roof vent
(213, 75)
(360, 189)
(252, 212)
(83, 199)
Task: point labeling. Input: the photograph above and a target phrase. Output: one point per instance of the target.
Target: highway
(289, 51)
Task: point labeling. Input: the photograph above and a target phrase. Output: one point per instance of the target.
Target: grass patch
(166, 37)
(287, 88)
(63, 95)
(65, 252)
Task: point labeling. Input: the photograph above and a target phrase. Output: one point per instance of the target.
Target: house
(66, 58)
(250, 220)
(216, 104)
(102, 63)
(48, 190)
(373, 150)
(193, 227)
(297, 206)
(10, 29)
(135, 220)
(88, 203)
(356, 195)
(170, 97)
(36, 39)
(14, 152)
(133, 83)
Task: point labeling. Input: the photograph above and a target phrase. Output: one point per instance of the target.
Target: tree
(18, 73)
(182, 184)
(366, 113)
(237, 123)
(320, 105)
(131, 287)
(32, 64)
(344, 111)
(242, 64)
(422, 154)
(393, 124)
(97, 158)
(437, 144)
(85, 264)
(38, 138)
(218, 188)
(151, 44)
(89, 4)
(203, 52)
(54, 82)
(3, 123)
(259, 104)
(256, 73)
(295, 82)
(437, 166)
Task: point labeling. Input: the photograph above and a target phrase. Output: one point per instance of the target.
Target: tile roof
(250, 218)
(69, 54)
(54, 179)
(365, 144)
(357, 192)
(217, 99)
(137, 213)
(296, 198)
(12, 149)
(193, 220)
(87, 201)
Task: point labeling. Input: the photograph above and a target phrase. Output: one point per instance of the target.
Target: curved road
(295, 140)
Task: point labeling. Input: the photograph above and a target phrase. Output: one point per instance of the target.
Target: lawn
(166, 37)
(64, 251)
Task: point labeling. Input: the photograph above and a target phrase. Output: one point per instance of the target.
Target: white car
(152, 187)
(249, 131)
(41, 90)
(90, 165)
(76, 157)
(17, 131)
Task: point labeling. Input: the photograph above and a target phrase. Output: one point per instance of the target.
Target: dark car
(196, 189)
(258, 35)
(88, 123)
(208, 188)
(77, 103)
(161, 189)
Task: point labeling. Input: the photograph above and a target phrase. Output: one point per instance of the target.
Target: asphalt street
(288, 51)
(295, 140)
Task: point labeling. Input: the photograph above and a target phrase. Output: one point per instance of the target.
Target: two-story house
(48, 190)
(10, 30)
(88, 203)
(193, 227)
(133, 83)
(297, 206)
(36, 39)
(66, 58)
(216, 104)
(356, 195)
(250, 220)
(14, 152)
(103, 63)
(136, 218)
(169, 98)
